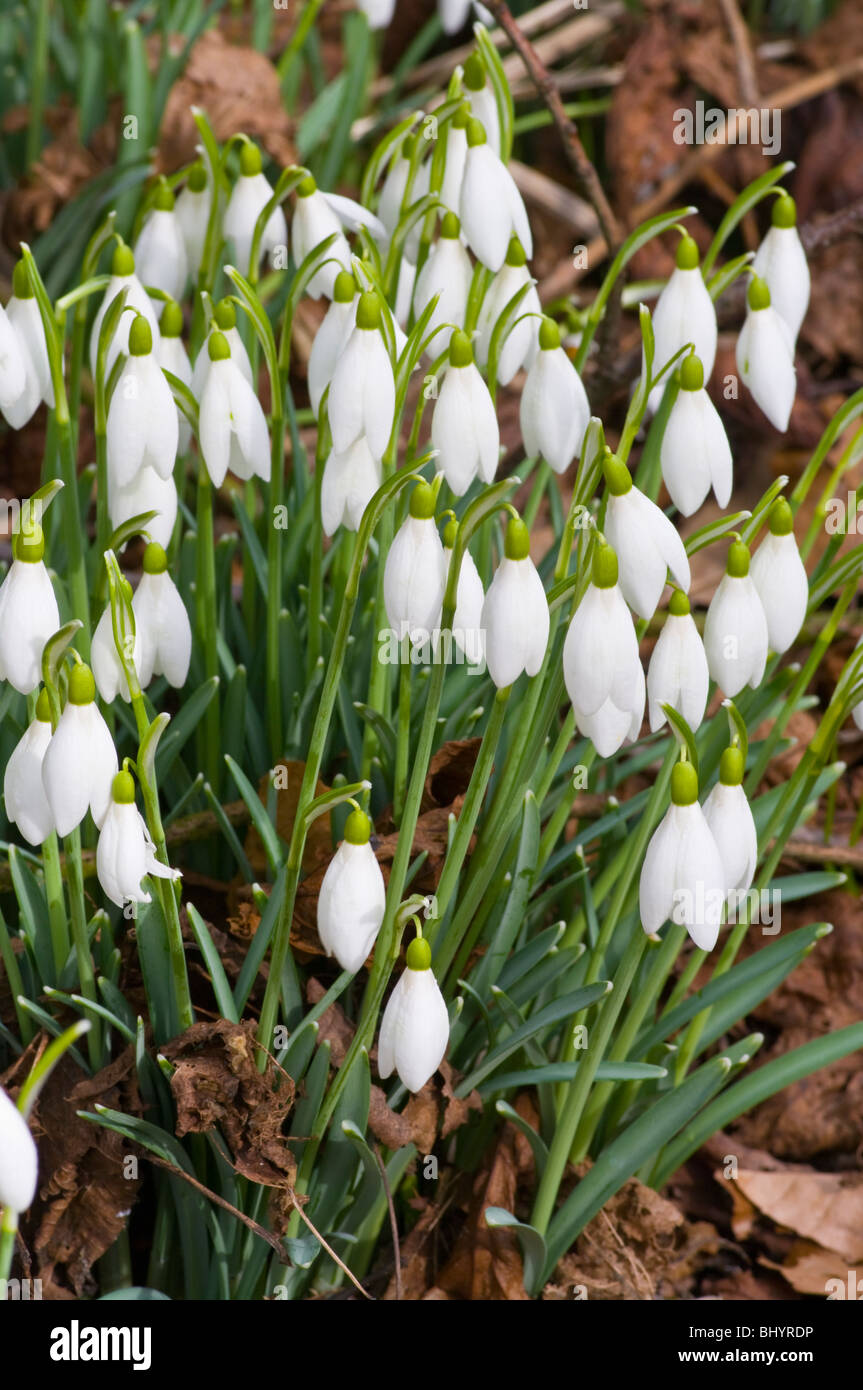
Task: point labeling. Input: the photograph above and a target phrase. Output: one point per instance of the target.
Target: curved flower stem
(8, 1231)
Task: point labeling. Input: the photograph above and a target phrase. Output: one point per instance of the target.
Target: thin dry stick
(332, 1254)
(226, 1206)
(394, 1226)
(739, 33)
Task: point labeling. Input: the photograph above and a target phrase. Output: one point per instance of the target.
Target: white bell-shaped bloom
(224, 321)
(781, 262)
(123, 277)
(554, 410)
(694, 454)
(601, 667)
(682, 877)
(447, 274)
(378, 12)
(173, 357)
(521, 344)
(143, 427)
(678, 674)
(81, 760)
(515, 616)
(249, 197)
(735, 629)
(28, 611)
(646, 542)
(362, 397)
(233, 428)
(779, 575)
(19, 1160)
(352, 898)
(147, 492)
(455, 159)
(319, 215)
(23, 315)
(483, 104)
(26, 802)
(415, 571)
(765, 357)
(160, 251)
(108, 670)
(464, 429)
(332, 337)
(193, 213)
(491, 207)
(731, 824)
(403, 302)
(125, 854)
(415, 1026)
(162, 624)
(467, 629)
(684, 314)
(13, 371)
(350, 482)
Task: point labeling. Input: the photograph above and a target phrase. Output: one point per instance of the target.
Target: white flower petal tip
(601, 666)
(28, 612)
(164, 632)
(362, 390)
(735, 629)
(23, 793)
(695, 455)
(19, 1160)
(352, 897)
(554, 412)
(465, 430)
(80, 761)
(125, 854)
(415, 571)
(415, 1026)
(765, 357)
(678, 674)
(779, 576)
(143, 425)
(233, 427)
(646, 542)
(515, 615)
(683, 877)
(729, 816)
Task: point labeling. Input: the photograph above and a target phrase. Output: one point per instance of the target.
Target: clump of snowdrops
(392, 599)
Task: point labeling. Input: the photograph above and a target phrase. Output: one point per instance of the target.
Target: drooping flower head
(28, 611)
(554, 410)
(695, 455)
(682, 877)
(352, 898)
(735, 629)
(515, 616)
(415, 1025)
(765, 356)
(464, 428)
(779, 575)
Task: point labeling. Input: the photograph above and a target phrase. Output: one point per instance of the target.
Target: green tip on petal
(250, 160)
(475, 132)
(617, 475)
(21, 287)
(369, 311)
(197, 180)
(737, 564)
(140, 337)
(758, 295)
(225, 315)
(604, 571)
(345, 287)
(155, 559)
(29, 544)
(218, 347)
(307, 186)
(684, 784)
(515, 252)
(358, 828)
(549, 335)
(517, 543)
(474, 73)
(171, 322)
(122, 261)
(781, 520)
(731, 767)
(461, 118)
(43, 707)
(460, 349)
(419, 954)
(450, 227)
(423, 502)
(687, 254)
(691, 373)
(123, 788)
(82, 687)
(450, 533)
(678, 605)
(784, 212)
(164, 199)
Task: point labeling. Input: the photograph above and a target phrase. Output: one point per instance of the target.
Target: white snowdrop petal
(19, 1161)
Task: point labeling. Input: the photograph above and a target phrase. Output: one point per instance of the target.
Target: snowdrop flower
(515, 616)
(23, 793)
(765, 357)
(143, 428)
(646, 542)
(362, 399)
(22, 313)
(332, 336)
(491, 208)
(447, 273)
(520, 346)
(249, 197)
(173, 357)
(161, 622)
(601, 668)
(233, 429)
(482, 99)
(684, 314)
(147, 492)
(160, 251)
(125, 854)
(682, 876)
(192, 209)
(694, 454)
(781, 262)
(353, 897)
(224, 321)
(678, 674)
(123, 277)
(415, 570)
(319, 215)
(378, 12)
(454, 14)
(779, 576)
(13, 372)
(28, 611)
(455, 158)
(464, 427)
(735, 630)
(108, 671)
(415, 1026)
(554, 411)
(729, 818)
(19, 1160)
(350, 482)
(467, 629)
(80, 762)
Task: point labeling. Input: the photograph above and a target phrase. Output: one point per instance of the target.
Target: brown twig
(332, 1254)
(739, 32)
(226, 1206)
